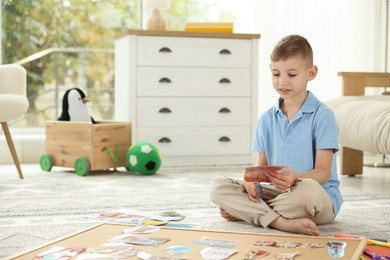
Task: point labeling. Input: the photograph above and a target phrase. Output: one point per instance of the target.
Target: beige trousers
(306, 199)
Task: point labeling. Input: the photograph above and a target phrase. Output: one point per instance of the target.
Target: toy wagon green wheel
(46, 162)
(81, 166)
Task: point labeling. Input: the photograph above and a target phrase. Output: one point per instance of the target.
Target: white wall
(1, 45)
(346, 35)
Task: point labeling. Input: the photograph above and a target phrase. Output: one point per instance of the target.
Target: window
(70, 43)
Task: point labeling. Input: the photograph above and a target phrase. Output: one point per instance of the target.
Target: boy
(300, 132)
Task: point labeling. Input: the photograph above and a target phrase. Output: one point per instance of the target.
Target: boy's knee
(309, 190)
(216, 185)
(308, 187)
(303, 195)
(310, 197)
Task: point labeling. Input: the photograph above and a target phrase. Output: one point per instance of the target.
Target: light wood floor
(373, 180)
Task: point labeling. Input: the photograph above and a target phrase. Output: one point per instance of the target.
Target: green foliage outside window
(78, 36)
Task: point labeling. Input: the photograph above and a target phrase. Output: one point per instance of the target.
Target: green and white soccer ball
(144, 158)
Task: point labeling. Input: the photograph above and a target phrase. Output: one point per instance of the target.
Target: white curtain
(346, 35)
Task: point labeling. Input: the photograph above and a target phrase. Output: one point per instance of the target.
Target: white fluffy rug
(45, 206)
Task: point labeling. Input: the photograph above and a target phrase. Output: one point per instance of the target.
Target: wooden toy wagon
(86, 147)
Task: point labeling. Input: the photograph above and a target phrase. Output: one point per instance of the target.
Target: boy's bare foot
(299, 225)
(227, 216)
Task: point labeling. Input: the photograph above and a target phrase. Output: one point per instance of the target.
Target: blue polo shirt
(294, 143)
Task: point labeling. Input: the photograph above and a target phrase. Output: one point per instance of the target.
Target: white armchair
(13, 101)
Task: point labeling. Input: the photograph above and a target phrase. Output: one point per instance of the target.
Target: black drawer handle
(164, 140)
(225, 51)
(225, 81)
(165, 80)
(224, 110)
(165, 50)
(224, 139)
(165, 110)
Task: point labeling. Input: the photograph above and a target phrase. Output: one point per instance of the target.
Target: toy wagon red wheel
(46, 162)
(82, 166)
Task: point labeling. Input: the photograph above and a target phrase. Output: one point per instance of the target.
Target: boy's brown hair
(290, 46)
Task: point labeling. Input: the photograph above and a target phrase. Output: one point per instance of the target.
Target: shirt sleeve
(258, 141)
(326, 130)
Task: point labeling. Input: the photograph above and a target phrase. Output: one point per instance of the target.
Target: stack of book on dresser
(209, 27)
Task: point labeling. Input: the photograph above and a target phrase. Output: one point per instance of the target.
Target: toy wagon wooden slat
(85, 146)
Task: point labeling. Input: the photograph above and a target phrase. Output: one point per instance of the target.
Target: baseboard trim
(29, 148)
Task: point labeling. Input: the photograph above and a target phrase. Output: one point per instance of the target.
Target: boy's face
(290, 77)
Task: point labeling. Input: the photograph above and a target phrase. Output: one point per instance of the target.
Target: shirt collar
(308, 106)
(310, 103)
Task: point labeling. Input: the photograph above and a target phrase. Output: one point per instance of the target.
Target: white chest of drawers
(192, 95)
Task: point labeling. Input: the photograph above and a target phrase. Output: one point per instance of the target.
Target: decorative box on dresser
(193, 95)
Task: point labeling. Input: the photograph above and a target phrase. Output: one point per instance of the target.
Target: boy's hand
(253, 191)
(283, 179)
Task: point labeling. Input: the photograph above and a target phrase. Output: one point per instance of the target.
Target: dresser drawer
(187, 141)
(194, 95)
(190, 51)
(193, 111)
(173, 81)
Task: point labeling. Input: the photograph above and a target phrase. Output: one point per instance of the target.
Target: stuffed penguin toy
(74, 107)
